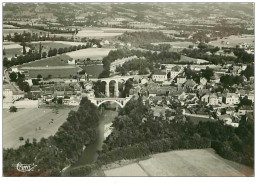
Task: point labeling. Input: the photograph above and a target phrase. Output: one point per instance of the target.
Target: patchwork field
(187, 59)
(8, 43)
(56, 44)
(21, 30)
(9, 53)
(60, 60)
(8, 26)
(98, 32)
(92, 53)
(176, 44)
(31, 123)
(55, 71)
(93, 71)
(187, 163)
(233, 41)
(12, 49)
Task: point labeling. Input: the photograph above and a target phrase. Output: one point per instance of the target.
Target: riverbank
(89, 155)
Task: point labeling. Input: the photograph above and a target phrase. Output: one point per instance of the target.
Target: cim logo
(25, 167)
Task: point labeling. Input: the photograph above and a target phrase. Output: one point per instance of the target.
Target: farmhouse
(159, 76)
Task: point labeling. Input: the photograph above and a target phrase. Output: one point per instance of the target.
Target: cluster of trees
(28, 37)
(214, 59)
(248, 72)
(138, 133)
(190, 74)
(142, 65)
(244, 102)
(243, 56)
(159, 47)
(206, 73)
(54, 51)
(30, 56)
(20, 80)
(229, 80)
(225, 29)
(235, 144)
(200, 36)
(13, 109)
(51, 155)
(143, 37)
(114, 55)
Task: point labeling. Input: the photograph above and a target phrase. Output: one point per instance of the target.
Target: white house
(74, 102)
(232, 98)
(144, 81)
(71, 61)
(213, 99)
(159, 76)
(203, 81)
(181, 80)
(14, 69)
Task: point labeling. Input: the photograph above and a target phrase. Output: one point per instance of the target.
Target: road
(13, 85)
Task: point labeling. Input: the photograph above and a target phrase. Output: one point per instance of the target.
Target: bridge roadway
(110, 99)
(120, 101)
(114, 78)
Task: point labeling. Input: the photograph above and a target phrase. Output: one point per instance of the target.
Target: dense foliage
(143, 37)
(248, 72)
(144, 65)
(138, 133)
(229, 80)
(20, 80)
(51, 155)
(214, 59)
(241, 55)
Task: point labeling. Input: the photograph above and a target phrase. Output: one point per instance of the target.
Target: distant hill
(146, 12)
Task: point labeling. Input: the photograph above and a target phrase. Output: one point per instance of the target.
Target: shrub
(13, 109)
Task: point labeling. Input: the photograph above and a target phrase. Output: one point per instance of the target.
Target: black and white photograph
(128, 89)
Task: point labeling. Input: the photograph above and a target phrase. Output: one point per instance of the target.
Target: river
(89, 155)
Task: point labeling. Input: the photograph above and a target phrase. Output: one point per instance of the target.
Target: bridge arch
(99, 104)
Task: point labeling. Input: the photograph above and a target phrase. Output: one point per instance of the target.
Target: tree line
(241, 55)
(54, 30)
(37, 55)
(142, 37)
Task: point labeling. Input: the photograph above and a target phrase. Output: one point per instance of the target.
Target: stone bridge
(116, 99)
(120, 101)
